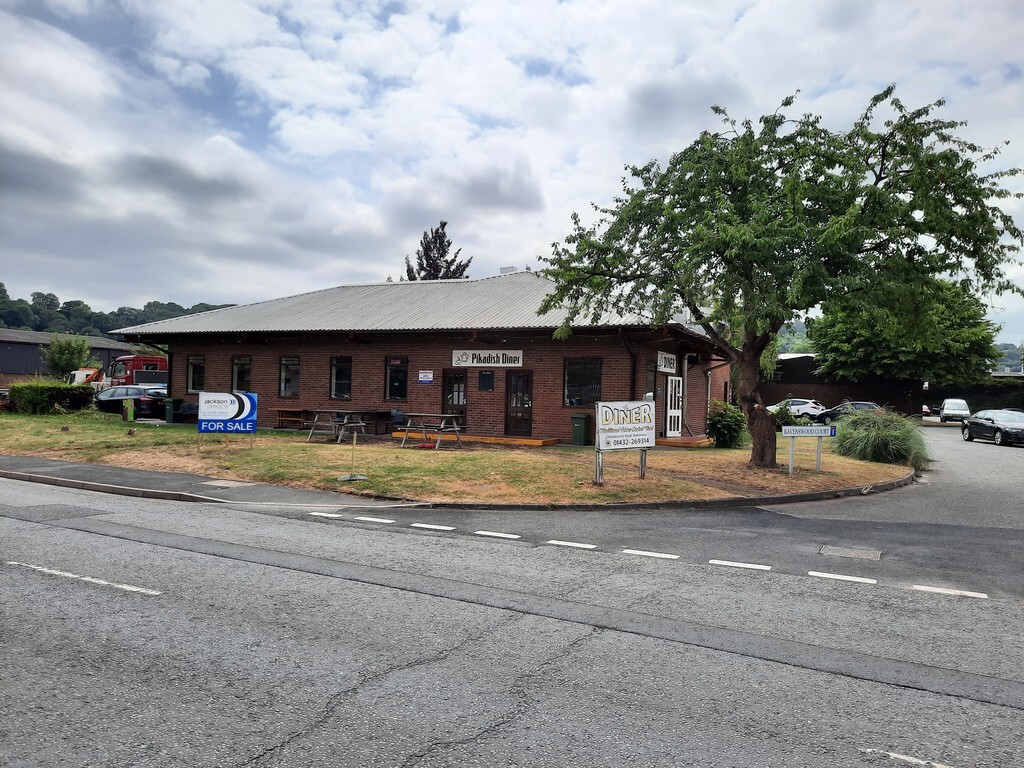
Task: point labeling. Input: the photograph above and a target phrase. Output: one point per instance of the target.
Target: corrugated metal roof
(43, 338)
(500, 302)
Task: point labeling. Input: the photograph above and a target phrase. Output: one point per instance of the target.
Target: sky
(231, 151)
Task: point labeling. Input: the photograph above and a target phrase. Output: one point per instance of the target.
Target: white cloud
(256, 149)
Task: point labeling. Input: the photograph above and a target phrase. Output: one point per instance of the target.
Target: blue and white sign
(227, 412)
(823, 431)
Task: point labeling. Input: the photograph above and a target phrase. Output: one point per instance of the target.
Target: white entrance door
(674, 407)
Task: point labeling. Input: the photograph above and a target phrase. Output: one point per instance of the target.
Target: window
(196, 373)
(650, 380)
(241, 373)
(289, 377)
(396, 377)
(582, 380)
(341, 378)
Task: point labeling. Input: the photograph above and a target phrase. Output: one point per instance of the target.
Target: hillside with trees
(45, 312)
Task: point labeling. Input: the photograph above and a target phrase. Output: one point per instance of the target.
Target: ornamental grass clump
(886, 437)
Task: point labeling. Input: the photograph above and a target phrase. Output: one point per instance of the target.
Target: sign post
(819, 432)
(624, 425)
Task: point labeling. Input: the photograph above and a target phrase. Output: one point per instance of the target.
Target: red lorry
(138, 369)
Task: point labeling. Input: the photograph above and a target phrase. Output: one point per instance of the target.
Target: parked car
(850, 406)
(799, 406)
(953, 409)
(149, 401)
(1002, 426)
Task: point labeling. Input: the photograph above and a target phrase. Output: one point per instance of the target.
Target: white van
(954, 410)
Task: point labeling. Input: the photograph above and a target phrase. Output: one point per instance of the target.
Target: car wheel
(997, 438)
(827, 420)
(966, 432)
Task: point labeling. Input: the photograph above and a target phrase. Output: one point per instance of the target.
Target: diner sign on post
(624, 425)
(227, 412)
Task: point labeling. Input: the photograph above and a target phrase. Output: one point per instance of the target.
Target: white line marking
(497, 535)
(325, 514)
(841, 577)
(649, 554)
(731, 564)
(905, 758)
(90, 579)
(558, 543)
(954, 592)
(433, 527)
(375, 519)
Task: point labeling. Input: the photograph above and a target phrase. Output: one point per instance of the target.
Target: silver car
(953, 410)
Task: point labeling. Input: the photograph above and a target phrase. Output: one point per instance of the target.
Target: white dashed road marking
(905, 758)
(643, 553)
(375, 520)
(953, 592)
(576, 544)
(90, 579)
(497, 535)
(325, 514)
(431, 527)
(731, 564)
(841, 577)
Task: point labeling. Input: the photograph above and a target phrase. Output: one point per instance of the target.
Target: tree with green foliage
(749, 228)
(66, 354)
(953, 342)
(432, 259)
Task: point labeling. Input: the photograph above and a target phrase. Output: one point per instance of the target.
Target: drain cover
(863, 554)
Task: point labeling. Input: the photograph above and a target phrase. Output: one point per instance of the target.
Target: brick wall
(485, 411)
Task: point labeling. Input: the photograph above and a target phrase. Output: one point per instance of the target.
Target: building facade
(21, 353)
(476, 348)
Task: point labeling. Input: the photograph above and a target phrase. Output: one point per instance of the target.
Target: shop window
(196, 373)
(289, 377)
(651, 380)
(341, 378)
(582, 380)
(396, 377)
(241, 373)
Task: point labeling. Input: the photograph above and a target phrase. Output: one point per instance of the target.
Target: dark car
(1001, 426)
(149, 401)
(850, 406)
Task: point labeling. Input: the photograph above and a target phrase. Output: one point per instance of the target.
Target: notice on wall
(426, 377)
(227, 412)
(625, 425)
(667, 363)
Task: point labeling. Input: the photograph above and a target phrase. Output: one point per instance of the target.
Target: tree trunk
(760, 421)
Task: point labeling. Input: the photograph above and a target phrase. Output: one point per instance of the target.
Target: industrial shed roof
(43, 338)
(507, 301)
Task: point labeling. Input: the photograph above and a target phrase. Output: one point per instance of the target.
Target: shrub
(727, 425)
(786, 418)
(45, 396)
(885, 437)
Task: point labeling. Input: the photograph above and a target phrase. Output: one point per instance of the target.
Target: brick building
(473, 347)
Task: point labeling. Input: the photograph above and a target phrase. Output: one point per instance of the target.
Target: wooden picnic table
(440, 423)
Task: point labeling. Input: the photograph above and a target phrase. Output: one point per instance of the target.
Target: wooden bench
(291, 418)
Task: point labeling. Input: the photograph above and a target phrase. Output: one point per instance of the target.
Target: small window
(396, 377)
(582, 380)
(289, 377)
(196, 373)
(241, 373)
(341, 378)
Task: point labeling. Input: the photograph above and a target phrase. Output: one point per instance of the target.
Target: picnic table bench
(439, 423)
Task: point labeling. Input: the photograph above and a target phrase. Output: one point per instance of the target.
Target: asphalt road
(151, 633)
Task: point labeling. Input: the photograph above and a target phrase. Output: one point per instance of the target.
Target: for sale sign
(227, 412)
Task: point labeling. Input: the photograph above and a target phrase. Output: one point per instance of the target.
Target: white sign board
(488, 358)
(426, 377)
(628, 424)
(225, 412)
(666, 363)
(824, 431)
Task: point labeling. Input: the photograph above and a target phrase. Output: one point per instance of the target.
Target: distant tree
(19, 314)
(45, 301)
(432, 259)
(752, 227)
(3, 293)
(65, 354)
(951, 341)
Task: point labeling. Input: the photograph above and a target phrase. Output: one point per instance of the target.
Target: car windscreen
(960, 405)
